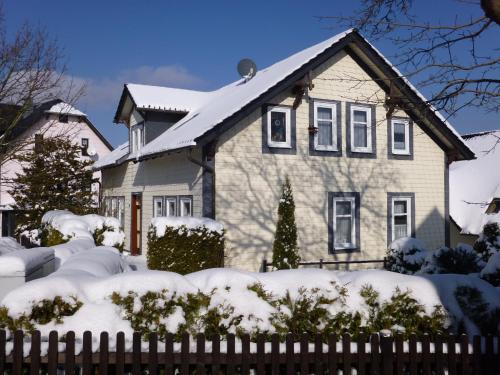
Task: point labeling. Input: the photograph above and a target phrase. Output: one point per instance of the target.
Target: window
(171, 206)
(344, 225)
(137, 137)
(63, 118)
(279, 127)
(400, 137)
(186, 206)
(400, 216)
(85, 146)
(494, 207)
(38, 142)
(115, 207)
(361, 129)
(325, 122)
(157, 206)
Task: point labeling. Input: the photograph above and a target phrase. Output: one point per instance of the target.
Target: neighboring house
(53, 118)
(359, 179)
(475, 188)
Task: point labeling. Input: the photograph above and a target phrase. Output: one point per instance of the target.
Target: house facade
(475, 188)
(53, 118)
(366, 156)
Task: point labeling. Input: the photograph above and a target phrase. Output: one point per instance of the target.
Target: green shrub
(488, 242)
(185, 250)
(473, 305)
(99, 237)
(461, 260)
(405, 255)
(50, 236)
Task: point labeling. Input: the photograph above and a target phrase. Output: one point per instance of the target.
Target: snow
(474, 183)
(66, 109)
(63, 251)
(113, 157)
(9, 244)
(493, 265)
(161, 223)
(23, 261)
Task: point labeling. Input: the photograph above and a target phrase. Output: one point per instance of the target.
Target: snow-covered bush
(491, 272)
(460, 260)
(488, 242)
(405, 255)
(474, 307)
(185, 244)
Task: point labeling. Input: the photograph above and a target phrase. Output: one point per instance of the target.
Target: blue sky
(189, 44)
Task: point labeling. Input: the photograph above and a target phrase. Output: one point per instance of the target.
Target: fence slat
(136, 353)
(87, 353)
(153, 353)
(53, 352)
(261, 349)
(400, 365)
(332, 354)
(490, 360)
(103, 353)
(318, 354)
(69, 355)
(120, 353)
(3, 340)
(476, 356)
(34, 353)
(464, 355)
(169, 354)
(346, 353)
(413, 354)
(290, 362)
(375, 354)
(386, 349)
(185, 354)
(304, 354)
(438, 349)
(231, 357)
(245, 354)
(275, 354)
(215, 354)
(200, 354)
(361, 354)
(426, 355)
(18, 355)
(452, 356)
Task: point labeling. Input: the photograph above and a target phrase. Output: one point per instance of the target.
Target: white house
(49, 119)
(475, 188)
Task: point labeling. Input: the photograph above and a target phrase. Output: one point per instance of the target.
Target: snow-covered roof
(474, 183)
(113, 157)
(167, 98)
(65, 109)
(209, 109)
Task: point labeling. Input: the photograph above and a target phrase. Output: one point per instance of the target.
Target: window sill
(278, 145)
(345, 250)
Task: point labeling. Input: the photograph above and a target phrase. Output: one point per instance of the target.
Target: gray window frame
(390, 154)
(155, 197)
(312, 147)
(357, 221)
(166, 198)
(390, 197)
(179, 209)
(266, 149)
(359, 154)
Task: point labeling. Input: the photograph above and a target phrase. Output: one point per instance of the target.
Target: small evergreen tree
(53, 177)
(285, 249)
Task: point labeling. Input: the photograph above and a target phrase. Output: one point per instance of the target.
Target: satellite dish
(247, 69)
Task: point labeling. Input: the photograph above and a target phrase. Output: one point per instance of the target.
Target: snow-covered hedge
(60, 226)
(491, 273)
(459, 260)
(405, 255)
(185, 244)
(488, 242)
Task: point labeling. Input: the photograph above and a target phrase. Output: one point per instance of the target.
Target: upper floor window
(325, 114)
(400, 136)
(360, 129)
(63, 118)
(38, 142)
(279, 127)
(136, 137)
(85, 146)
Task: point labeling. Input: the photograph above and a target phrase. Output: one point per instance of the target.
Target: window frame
(391, 198)
(288, 130)
(355, 199)
(170, 198)
(406, 123)
(286, 148)
(161, 200)
(334, 124)
(180, 209)
(407, 214)
(137, 137)
(85, 148)
(369, 147)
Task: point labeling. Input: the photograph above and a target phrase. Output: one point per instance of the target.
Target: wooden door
(135, 230)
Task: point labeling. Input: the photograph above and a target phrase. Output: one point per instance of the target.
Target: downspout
(205, 168)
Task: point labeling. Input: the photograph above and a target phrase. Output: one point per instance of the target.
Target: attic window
(63, 118)
(494, 207)
(278, 127)
(137, 137)
(85, 146)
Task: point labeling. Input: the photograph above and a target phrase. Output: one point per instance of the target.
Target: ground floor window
(400, 215)
(186, 206)
(173, 205)
(115, 207)
(344, 221)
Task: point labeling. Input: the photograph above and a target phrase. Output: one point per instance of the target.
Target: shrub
(475, 308)
(488, 242)
(50, 236)
(491, 272)
(285, 249)
(461, 260)
(405, 255)
(103, 236)
(185, 245)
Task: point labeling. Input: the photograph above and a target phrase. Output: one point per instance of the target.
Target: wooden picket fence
(304, 354)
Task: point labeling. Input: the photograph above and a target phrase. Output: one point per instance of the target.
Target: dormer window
(494, 207)
(137, 137)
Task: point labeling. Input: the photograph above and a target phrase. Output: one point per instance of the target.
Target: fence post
(320, 263)
(17, 357)
(3, 340)
(264, 265)
(386, 349)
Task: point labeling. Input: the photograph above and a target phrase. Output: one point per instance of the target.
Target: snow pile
(161, 223)
(491, 272)
(406, 255)
(23, 261)
(9, 244)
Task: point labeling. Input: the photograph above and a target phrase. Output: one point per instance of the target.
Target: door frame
(135, 229)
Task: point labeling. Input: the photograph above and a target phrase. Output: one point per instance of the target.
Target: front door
(135, 230)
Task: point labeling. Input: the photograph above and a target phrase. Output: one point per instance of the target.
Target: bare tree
(452, 58)
(32, 70)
